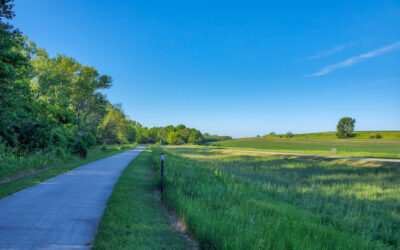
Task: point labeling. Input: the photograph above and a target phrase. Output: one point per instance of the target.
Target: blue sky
(238, 68)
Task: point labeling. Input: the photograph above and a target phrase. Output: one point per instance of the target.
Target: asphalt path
(62, 212)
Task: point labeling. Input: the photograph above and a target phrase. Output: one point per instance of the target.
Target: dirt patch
(177, 223)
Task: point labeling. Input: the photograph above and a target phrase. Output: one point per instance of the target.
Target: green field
(236, 200)
(332, 135)
(384, 148)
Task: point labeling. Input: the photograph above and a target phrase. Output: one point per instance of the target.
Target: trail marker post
(162, 158)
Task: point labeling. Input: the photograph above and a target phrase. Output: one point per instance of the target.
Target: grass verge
(19, 184)
(235, 200)
(134, 217)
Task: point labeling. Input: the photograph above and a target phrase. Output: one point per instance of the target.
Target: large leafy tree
(15, 95)
(116, 128)
(67, 84)
(84, 95)
(345, 127)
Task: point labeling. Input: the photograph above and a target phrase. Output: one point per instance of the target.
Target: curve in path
(62, 212)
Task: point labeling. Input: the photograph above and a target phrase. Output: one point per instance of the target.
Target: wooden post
(162, 158)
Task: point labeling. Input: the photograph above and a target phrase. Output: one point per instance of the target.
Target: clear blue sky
(234, 68)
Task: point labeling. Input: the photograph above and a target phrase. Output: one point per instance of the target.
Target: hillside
(323, 143)
(332, 135)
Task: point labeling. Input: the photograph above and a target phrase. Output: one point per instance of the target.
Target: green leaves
(345, 127)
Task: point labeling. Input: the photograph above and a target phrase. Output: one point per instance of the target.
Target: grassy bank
(60, 166)
(134, 218)
(233, 200)
(390, 135)
(344, 147)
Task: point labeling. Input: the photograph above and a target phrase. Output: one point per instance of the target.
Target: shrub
(60, 152)
(80, 148)
(378, 136)
(89, 139)
(103, 148)
(63, 136)
(289, 134)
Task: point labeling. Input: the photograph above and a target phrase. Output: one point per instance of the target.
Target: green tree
(345, 127)
(174, 138)
(115, 128)
(15, 95)
(195, 137)
(184, 134)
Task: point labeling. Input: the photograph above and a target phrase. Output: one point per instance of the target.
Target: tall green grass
(13, 166)
(33, 174)
(234, 200)
(134, 217)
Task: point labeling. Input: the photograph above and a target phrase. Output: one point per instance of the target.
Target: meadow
(381, 148)
(236, 200)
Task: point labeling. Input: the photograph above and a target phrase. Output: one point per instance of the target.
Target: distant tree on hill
(345, 127)
(289, 134)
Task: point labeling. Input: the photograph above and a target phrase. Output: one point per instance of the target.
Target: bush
(103, 148)
(289, 134)
(60, 152)
(89, 139)
(81, 149)
(378, 136)
(63, 136)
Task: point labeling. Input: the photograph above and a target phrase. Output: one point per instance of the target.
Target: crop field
(345, 147)
(236, 200)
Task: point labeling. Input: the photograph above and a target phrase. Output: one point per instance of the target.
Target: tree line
(53, 103)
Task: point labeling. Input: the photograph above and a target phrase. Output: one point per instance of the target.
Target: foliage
(80, 148)
(169, 135)
(345, 127)
(195, 137)
(175, 138)
(289, 134)
(214, 138)
(251, 201)
(115, 128)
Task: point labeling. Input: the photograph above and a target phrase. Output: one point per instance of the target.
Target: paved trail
(62, 212)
